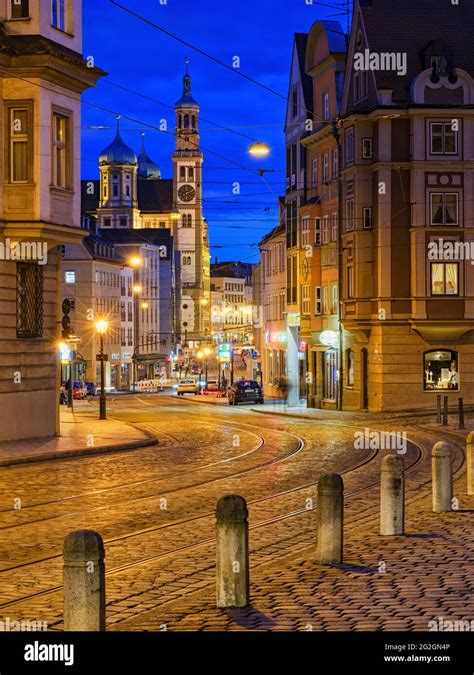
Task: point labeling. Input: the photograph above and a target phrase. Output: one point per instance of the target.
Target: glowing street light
(101, 327)
(145, 305)
(259, 149)
(137, 289)
(135, 261)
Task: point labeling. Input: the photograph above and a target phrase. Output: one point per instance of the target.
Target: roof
(301, 40)
(276, 232)
(337, 39)
(390, 28)
(153, 195)
(147, 168)
(117, 152)
(232, 269)
(153, 236)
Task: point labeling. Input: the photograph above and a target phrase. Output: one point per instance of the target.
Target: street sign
(224, 352)
(293, 319)
(102, 357)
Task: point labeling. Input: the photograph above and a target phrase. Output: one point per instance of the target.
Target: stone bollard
(330, 519)
(84, 581)
(470, 463)
(392, 495)
(232, 541)
(442, 477)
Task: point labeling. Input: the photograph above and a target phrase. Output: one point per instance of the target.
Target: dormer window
(19, 9)
(58, 14)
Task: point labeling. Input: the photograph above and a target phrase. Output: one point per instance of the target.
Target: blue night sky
(141, 58)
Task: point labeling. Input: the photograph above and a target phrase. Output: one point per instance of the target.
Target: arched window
(194, 121)
(441, 370)
(186, 121)
(180, 121)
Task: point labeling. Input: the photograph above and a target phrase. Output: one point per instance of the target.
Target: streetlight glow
(137, 288)
(101, 326)
(135, 261)
(259, 149)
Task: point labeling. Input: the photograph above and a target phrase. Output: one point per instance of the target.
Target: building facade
(408, 184)
(318, 215)
(43, 76)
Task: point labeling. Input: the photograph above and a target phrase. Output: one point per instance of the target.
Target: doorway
(364, 378)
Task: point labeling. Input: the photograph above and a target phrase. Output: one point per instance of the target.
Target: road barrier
(84, 581)
(232, 549)
(330, 517)
(392, 495)
(445, 411)
(442, 477)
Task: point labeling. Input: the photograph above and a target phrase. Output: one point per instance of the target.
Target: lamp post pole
(102, 400)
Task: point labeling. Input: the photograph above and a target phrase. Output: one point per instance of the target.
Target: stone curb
(78, 452)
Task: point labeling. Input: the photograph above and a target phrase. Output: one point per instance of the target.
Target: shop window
(444, 279)
(330, 374)
(441, 370)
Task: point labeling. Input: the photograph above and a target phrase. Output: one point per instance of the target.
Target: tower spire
(186, 79)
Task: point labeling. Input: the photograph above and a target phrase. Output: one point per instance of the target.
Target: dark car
(91, 389)
(245, 391)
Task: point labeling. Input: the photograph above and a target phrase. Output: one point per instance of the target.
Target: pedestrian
(224, 384)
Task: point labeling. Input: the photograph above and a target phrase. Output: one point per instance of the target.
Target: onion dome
(186, 100)
(147, 168)
(117, 152)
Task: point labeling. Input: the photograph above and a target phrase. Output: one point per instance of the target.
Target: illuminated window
(20, 145)
(326, 112)
(70, 277)
(441, 370)
(444, 278)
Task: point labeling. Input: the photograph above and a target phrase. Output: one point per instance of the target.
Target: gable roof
(301, 40)
(411, 29)
(154, 196)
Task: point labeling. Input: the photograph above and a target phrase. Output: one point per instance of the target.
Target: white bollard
(442, 477)
(392, 495)
(232, 548)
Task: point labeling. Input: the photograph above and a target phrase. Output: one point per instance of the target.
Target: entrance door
(364, 378)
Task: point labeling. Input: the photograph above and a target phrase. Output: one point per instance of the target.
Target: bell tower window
(190, 173)
(186, 121)
(194, 121)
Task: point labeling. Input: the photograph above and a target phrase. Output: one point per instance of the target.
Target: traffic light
(66, 320)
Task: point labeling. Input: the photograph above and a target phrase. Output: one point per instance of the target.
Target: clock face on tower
(186, 193)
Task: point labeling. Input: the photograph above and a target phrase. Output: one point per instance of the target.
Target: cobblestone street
(154, 508)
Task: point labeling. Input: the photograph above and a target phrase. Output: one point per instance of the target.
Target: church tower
(190, 231)
(118, 205)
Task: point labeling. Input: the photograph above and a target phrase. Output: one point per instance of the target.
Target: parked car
(187, 387)
(212, 385)
(79, 389)
(245, 391)
(92, 390)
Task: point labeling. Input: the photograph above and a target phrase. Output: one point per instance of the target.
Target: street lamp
(101, 327)
(259, 149)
